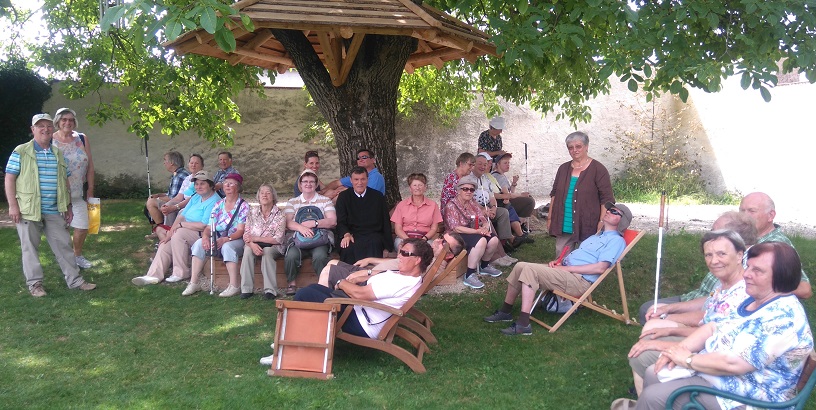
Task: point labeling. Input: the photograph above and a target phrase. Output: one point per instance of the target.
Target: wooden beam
(427, 18)
(443, 54)
(234, 59)
(351, 55)
(243, 3)
(186, 47)
(265, 57)
(453, 42)
(423, 46)
(333, 58)
(261, 36)
(346, 32)
(409, 68)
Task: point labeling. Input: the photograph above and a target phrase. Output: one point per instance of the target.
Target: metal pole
(659, 249)
(526, 174)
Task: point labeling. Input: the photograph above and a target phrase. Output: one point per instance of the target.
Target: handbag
(555, 304)
(215, 251)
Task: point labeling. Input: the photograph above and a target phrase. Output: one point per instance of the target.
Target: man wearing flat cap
(573, 275)
(490, 140)
(39, 201)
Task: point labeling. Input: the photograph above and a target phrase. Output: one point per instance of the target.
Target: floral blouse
(458, 214)
(77, 160)
(273, 226)
(448, 190)
(221, 216)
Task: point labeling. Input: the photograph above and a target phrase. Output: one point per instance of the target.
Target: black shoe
(528, 239)
(246, 295)
(508, 247)
(270, 296)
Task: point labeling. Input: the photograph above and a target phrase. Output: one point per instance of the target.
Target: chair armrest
(695, 390)
(366, 303)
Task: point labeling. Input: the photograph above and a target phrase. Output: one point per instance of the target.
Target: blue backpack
(321, 236)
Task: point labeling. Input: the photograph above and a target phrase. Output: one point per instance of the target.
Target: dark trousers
(364, 246)
(318, 293)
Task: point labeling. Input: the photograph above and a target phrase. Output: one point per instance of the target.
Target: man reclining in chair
(391, 287)
(337, 269)
(573, 275)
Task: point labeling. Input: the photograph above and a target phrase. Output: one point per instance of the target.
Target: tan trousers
(176, 252)
(269, 270)
(540, 276)
(30, 233)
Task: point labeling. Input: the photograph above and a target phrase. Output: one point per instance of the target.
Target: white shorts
(80, 208)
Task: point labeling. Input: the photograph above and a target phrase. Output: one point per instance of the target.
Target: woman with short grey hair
(581, 188)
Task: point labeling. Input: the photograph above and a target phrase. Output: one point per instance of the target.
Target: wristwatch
(316, 223)
(369, 272)
(688, 360)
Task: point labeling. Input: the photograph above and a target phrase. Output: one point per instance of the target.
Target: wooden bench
(306, 277)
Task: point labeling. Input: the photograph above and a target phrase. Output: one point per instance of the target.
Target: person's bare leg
(196, 267)
(79, 240)
(638, 382)
(492, 247)
(476, 253)
(516, 228)
(511, 295)
(527, 298)
(152, 205)
(161, 233)
(234, 275)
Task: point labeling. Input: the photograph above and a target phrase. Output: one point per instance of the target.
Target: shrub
(122, 186)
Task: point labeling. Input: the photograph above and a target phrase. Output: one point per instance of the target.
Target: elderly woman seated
(174, 247)
(417, 216)
(758, 354)
(228, 218)
(723, 251)
(263, 238)
(464, 216)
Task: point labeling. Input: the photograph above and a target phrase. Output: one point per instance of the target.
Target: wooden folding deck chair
(631, 237)
(418, 321)
(392, 328)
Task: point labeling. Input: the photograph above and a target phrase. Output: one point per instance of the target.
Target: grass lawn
(120, 346)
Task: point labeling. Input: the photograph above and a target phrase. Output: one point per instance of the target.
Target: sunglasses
(406, 253)
(362, 157)
(466, 189)
(614, 211)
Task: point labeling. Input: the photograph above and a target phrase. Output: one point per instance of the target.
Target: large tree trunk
(362, 112)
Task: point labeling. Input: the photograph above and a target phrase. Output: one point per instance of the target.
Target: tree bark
(361, 112)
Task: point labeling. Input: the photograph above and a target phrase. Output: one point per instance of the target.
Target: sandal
(291, 290)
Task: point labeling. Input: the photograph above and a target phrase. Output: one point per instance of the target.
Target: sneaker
(510, 259)
(145, 280)
(229, 292)
(473, 282)
(173, 279)
(191, 288)
(515, 329)
(87, 286)
(83, 263)
(499, 316)
(490, 271)
(269, 296)
(504, 261)
(37, 290)
(267, 360)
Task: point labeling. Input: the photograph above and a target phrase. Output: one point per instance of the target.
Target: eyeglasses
(406, 253)
(307, 182)
(230, 184)
(362, 157)
(466, 189)
(43, 127)
(614, 211)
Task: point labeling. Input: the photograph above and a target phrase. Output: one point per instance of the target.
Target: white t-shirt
(392, 289)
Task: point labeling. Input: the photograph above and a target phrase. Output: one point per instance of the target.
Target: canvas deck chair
(631, 237)
(418, 321)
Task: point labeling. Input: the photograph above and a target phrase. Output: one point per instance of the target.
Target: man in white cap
(490, 140)
(39, 200)
(572, 275)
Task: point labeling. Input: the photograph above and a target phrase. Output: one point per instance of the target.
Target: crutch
(212, 250)
(659, 248)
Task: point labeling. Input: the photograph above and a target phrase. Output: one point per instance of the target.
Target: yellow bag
(94, 215)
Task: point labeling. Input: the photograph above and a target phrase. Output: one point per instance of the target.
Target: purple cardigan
(592, 189)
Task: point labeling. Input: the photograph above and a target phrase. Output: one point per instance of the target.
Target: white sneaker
(230, 292)
(191, 288)
(83, 263)
(504, 261)
(145, 280)
(267, 360)
(173, 279)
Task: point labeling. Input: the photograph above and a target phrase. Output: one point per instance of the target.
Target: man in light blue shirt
(365, 159)
(573, 275)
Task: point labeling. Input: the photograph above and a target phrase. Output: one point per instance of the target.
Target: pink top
(416, 220)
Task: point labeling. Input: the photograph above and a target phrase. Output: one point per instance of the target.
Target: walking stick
(212, 250)
(147, 161)
(659, 249)
(526, 174)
